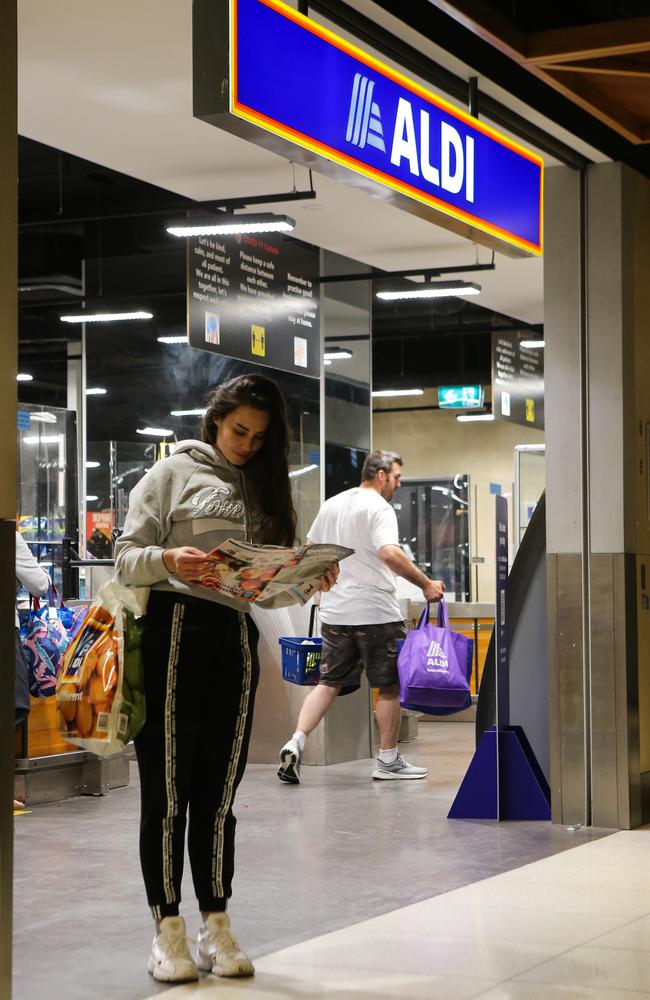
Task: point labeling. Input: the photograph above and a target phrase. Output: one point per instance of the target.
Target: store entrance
(136, 385)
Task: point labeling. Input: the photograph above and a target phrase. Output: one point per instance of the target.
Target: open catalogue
(249, 572)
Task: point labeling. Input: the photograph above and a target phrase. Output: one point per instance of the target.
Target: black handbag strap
(312, 619)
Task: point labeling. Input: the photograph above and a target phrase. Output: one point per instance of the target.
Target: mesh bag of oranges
(100, 703)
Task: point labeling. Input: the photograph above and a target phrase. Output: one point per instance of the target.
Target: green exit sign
(460, 397)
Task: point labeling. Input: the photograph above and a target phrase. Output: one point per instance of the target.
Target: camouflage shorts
(348, 650)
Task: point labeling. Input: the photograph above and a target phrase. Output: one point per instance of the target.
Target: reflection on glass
(343, 467)
(149, 381)
(530, 481)
(304, 458)
(46, 500)
(433, 523)
(113, 469)
(346, 317)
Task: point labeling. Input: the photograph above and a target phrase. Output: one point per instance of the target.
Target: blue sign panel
(460, 397)
(23, 420)
(323, 94)
(501, 614)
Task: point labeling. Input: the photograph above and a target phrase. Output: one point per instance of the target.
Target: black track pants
(201, 671)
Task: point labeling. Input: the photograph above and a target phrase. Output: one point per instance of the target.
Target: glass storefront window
(433, 522)
(46, 504)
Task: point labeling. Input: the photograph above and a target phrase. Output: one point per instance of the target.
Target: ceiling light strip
(398, 392)
(154, 431)
(105, 317)
(435, 290)
(231, 225)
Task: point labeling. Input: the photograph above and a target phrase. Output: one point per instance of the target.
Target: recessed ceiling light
(399, 392)
(92, 465)
(432, 290)
(91, 496)
(43, 439)
(154, 431)
(173, 340)
(230, 225)
(464, 418)
(337, 354)
(44, 417)
(303, 471)
(188, 413)
(24, 377)
(105, 317)
(96, 391)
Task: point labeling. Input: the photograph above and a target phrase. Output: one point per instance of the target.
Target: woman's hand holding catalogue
(186, 562)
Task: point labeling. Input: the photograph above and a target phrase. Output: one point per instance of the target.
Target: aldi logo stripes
(364, 121)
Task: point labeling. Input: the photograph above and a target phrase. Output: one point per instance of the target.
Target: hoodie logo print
(213, 502)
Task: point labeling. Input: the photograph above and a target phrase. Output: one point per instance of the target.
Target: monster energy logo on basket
(364, 120)
(437, 662)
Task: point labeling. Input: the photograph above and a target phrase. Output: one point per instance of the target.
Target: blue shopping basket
(301, 656)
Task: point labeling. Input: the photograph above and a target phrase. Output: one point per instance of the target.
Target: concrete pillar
(597, 299)
(8, 368)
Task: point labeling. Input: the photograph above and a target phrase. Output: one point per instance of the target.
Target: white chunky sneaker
(289, 769)
(218, 950)
(400, 769)
(170, 960)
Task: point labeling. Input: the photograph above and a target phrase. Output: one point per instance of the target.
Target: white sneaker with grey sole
(170, 960)
(289, 769)
(218, 950)
(399, 770)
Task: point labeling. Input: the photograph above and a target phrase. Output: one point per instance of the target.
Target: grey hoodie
(193, 497)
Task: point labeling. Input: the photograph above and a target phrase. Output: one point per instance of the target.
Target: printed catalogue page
(252, 573)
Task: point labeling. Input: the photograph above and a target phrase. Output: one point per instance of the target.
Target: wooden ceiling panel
(621, 103)
(623, 66)
(589, 41)
(604, 67)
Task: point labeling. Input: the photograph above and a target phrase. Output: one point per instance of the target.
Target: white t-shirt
(365, 590)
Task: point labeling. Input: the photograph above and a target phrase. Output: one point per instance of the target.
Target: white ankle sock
(388, 756)
(300, 738)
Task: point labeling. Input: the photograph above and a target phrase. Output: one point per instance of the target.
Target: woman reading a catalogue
(200, 662)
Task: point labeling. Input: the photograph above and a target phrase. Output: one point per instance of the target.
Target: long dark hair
(269, 467)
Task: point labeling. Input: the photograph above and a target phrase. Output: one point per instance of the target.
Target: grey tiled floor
(334, 851)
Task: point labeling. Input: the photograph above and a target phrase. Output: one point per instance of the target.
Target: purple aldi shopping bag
(434, 665)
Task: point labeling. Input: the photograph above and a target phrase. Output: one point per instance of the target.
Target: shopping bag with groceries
(45, 633)
(100, 687)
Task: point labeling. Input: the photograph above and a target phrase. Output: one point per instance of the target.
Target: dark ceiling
(86, 228)
(570, 13)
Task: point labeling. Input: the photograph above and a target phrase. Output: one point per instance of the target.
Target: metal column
(8, 403)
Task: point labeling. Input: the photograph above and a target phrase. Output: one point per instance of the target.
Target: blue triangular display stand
(477, 796)
(517, 789)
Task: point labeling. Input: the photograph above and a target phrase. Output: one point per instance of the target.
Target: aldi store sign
(319, 93)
